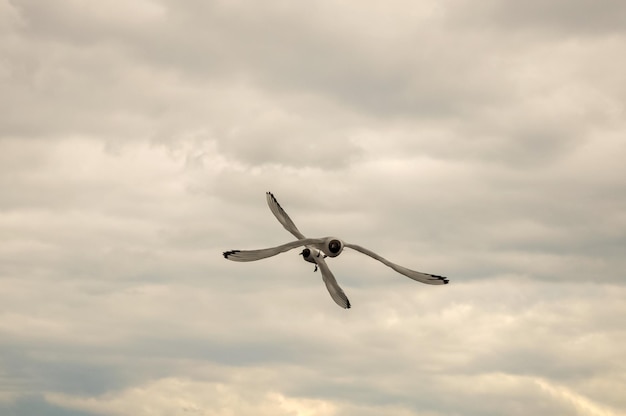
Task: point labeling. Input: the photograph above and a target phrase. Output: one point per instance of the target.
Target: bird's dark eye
(334, 246)
(306, 252)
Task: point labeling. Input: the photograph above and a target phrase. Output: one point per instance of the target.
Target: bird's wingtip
(229, 253)
(442, 279)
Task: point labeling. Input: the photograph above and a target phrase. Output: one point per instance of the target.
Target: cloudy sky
(481, 140)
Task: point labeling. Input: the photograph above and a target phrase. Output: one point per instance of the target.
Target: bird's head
(332, 246)
(307, 254)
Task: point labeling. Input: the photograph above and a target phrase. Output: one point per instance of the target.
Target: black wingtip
(271, 195)
(348, 306)
(231, 252)
(436, 277)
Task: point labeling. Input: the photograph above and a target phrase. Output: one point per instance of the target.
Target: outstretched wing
(252, 255)
(335, 291)
(282, 216)
(431, 279)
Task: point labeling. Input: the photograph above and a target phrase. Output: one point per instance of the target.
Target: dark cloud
(36, 404)
(570, 18)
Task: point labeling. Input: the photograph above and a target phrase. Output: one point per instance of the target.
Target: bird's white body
(317, 249)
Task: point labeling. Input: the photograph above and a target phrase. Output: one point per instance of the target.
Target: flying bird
(317, 249)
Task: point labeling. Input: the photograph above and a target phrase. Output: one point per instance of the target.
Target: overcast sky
(482, 140)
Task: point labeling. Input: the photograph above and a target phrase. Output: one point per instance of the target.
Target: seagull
(316, 250)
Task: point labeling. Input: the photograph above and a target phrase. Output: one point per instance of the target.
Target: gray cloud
(484, 143)
(570, 18)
